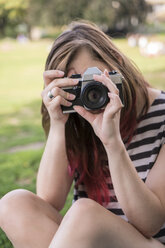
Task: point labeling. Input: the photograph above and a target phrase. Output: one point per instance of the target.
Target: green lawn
(21, 68)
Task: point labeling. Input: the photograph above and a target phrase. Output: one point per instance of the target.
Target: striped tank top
(143, 151)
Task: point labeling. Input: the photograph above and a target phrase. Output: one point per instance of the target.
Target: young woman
(115, 156)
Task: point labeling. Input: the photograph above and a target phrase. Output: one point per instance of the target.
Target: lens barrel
(94, 95)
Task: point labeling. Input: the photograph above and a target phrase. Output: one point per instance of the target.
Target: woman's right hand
(53, 81)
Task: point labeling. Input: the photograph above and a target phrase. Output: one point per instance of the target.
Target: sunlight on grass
(21, 73)
(22, 66)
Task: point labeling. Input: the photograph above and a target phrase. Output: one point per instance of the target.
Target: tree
(132, 13)
(118, 15)
(112, 14)
(12, 13)
(100, 12)
(61, 12)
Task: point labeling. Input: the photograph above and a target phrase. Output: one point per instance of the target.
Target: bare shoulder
(158, 170)
(153, 94)
(155, 180)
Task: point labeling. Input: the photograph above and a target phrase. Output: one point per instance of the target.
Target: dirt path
(33, 146)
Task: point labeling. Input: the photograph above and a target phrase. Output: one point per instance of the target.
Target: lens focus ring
(94, 95)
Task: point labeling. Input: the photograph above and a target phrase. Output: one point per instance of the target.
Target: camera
(90, 94)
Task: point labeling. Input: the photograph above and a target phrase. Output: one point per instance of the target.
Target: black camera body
(90, 94)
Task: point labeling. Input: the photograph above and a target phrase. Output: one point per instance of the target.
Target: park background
(27, 31)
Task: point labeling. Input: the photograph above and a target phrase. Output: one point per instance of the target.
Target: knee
(83, 213)
(13, 204)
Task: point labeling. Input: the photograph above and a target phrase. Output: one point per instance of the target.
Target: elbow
(148, 226)
(148, 233)
(152, 230)
(149, 230)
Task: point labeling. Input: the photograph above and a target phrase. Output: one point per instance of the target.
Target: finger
(103, 78)
(84, 113)
(62, 82)
(115, 100)
(49, 75)
(106, 72)
(115, 104)
(59, 100)
(58, 91)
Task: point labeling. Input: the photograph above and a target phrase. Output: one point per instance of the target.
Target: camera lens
(94, 95)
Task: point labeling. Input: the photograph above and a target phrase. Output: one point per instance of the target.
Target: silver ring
(50, 94)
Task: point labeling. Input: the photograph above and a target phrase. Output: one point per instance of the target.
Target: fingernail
(60, 73)
(71, 97)
(110, 94)
(69, 103)
(75, 81)
(75, 107)
(106, 72)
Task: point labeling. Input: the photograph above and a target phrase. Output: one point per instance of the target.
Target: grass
(21, 68)
(21, 127)
(21, 73)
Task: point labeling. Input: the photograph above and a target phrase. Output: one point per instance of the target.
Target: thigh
(89, 225)
(28, 220)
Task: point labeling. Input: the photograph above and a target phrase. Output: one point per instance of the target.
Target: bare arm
(53, 180)
(143, 204)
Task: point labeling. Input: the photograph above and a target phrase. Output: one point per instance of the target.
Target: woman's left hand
(106, 123)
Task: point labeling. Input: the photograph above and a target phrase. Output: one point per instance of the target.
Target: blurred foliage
(11, 14)
(60, 12)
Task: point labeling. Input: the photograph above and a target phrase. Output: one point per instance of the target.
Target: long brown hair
(84, 149)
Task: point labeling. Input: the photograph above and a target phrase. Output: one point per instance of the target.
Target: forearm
(141, 206)
(53, 180)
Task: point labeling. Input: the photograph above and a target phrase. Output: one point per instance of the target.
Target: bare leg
(89, 225)
(27, 220)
